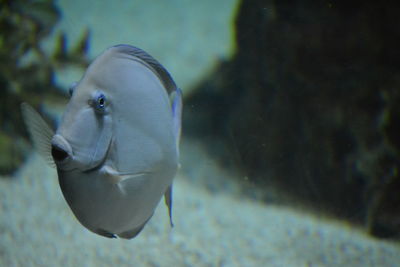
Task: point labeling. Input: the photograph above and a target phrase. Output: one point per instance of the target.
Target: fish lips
(63, 156)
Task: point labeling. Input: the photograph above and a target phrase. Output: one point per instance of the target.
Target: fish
(116, 149)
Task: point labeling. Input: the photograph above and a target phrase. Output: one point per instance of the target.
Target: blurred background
(290, 150)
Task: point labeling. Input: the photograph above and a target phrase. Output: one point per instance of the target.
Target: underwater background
(289, 149)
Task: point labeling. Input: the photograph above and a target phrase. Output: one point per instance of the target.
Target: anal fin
(105, 233)
(134, 232)
(168, 202)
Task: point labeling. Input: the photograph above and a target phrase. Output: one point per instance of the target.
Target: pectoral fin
(168, 202)
(116, 177)
(40, 132)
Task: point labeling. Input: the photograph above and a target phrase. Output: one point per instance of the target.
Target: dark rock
(309, 104)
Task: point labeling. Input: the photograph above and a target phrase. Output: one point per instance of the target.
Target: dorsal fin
(163, 74)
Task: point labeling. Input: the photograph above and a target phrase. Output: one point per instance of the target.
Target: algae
(27, 70)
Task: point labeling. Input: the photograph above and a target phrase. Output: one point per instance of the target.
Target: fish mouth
(67, 160)
(58, 153)
(61, 151)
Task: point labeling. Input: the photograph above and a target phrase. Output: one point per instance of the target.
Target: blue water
(216, 224)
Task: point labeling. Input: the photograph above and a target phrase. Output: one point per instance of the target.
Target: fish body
(117, 147)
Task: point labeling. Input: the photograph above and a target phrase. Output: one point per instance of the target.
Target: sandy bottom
(212, 228)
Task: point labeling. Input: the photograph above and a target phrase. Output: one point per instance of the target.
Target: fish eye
(99, 103)
(101, 100)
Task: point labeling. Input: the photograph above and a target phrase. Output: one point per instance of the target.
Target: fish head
(85, 133)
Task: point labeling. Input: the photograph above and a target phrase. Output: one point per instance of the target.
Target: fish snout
(60, 149)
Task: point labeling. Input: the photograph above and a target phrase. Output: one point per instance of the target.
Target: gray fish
(117, 147)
